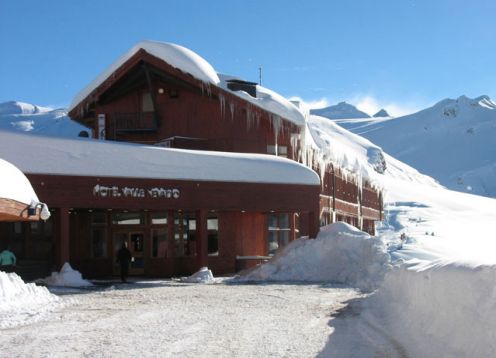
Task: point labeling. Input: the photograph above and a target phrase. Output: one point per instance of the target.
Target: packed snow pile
(446, 311)
(340, 254)
(204, 275)
(22, 303)
(67, 277)
(33, 119)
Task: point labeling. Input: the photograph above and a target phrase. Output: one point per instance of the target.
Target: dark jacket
(124, 256)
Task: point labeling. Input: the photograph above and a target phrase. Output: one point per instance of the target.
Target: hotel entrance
(135, 244)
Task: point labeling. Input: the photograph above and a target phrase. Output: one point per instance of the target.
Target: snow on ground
(23, 303)
(67, 277)
(173, 319)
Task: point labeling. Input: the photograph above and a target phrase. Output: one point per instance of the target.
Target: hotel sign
(115, 191)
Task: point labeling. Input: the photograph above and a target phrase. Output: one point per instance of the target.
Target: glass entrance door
(135, 244)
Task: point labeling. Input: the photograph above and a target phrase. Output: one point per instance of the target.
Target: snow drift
(340, 254)
(22, 303)
(447, 311)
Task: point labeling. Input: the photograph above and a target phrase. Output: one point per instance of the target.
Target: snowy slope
(452, 141)
(341, 110)
(26, 117)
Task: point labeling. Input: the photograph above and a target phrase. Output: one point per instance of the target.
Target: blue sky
(400, 54)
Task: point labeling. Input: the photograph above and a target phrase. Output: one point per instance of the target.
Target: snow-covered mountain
(381, 113)
(26, 117)
(342, 110)
(453, 141)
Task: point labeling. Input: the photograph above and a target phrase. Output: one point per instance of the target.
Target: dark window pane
(159, 242)
(99, 243)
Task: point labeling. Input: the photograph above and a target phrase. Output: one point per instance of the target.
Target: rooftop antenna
(260, 75)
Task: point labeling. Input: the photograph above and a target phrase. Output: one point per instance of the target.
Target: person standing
(124, 258)
(7, 260)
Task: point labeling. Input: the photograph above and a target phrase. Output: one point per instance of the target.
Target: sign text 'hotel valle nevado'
(115, 191)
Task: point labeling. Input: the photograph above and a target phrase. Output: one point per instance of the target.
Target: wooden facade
(225, 225)
(216, 224)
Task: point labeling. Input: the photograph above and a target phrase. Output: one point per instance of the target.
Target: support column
(63, 239)
(202, 238)
(313, 223)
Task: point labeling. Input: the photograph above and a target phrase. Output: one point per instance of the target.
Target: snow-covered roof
(175, 55)
(347, 150)
(14, 185)
(88, 157)
(268, 100)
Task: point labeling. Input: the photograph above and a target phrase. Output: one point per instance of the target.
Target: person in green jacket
(7, 260)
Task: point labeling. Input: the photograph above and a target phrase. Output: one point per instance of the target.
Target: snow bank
(21, 303)
(67, 277)
(447, 311)
(175, 55)
(204, 275)
(340, 253)
(14, 185)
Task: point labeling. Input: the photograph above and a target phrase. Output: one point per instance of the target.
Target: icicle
(222, 103)
(232, 108)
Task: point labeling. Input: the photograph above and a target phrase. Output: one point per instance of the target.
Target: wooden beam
(156, 119)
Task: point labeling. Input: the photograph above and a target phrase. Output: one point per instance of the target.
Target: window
(136, 218)
(159, 218)
(146, 102)
(279, 150)
(159, 242)
(213, 235)
(99, 243)
(278, 232)
(185, 234)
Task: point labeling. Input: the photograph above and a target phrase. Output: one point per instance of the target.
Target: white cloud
(366, 103)
(372, 105)
(311, 104)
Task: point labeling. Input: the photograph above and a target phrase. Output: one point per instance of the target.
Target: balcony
(135, 121)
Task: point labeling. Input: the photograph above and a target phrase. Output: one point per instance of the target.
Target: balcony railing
(134, 121)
